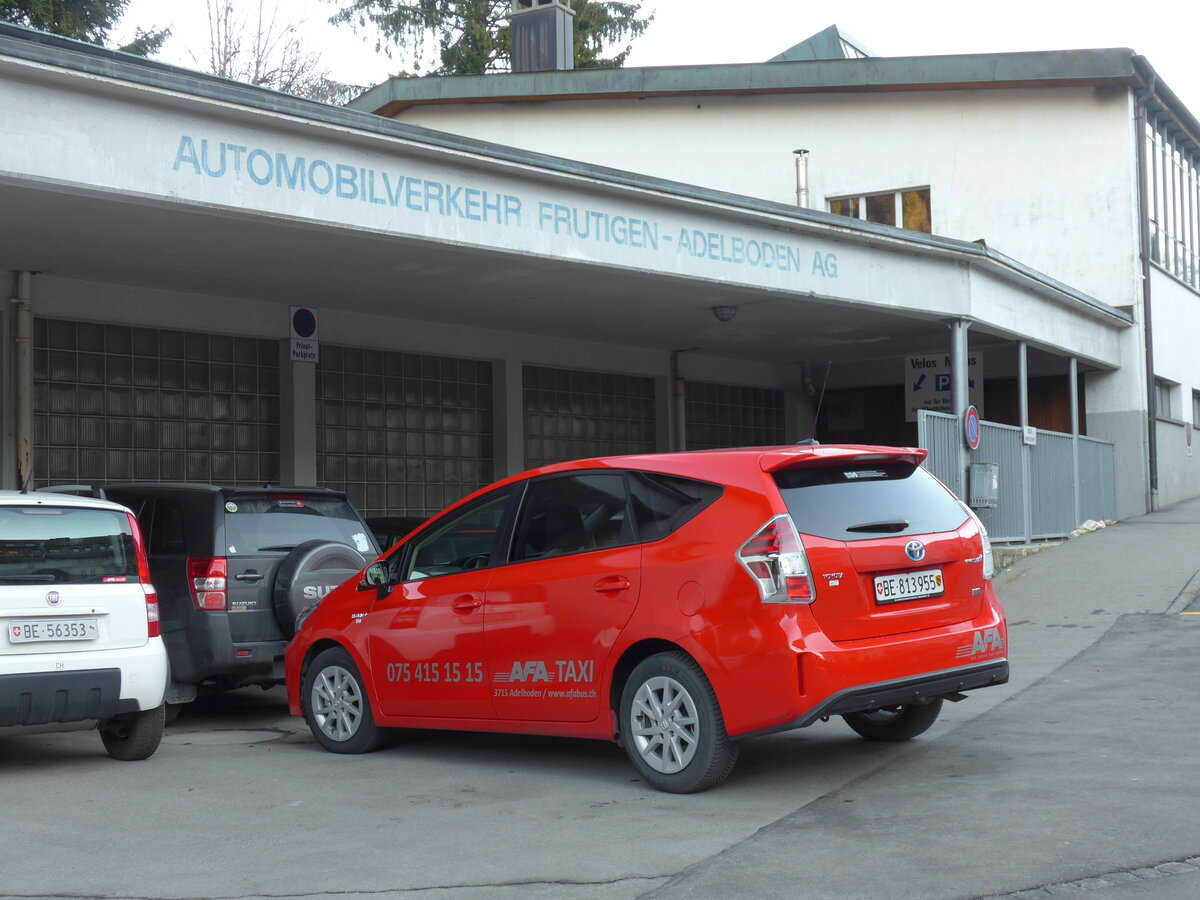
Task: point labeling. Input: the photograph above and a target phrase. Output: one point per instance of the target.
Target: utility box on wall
(983, 486)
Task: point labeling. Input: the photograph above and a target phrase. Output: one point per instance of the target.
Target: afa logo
(534, 670)
(987, 640)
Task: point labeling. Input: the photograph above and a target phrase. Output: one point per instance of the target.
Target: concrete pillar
(1074, 381)
(508, 417)
(960, 394)
(8, 412)
(297, 418)
(1026, 450)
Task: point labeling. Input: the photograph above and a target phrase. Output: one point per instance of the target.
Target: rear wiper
(880, 527)
(28, 579)
(285, 547)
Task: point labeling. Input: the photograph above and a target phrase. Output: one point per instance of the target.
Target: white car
(79, 616)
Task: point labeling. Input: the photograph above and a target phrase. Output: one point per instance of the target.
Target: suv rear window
(864, 501)
(254, 523)
(65, 545)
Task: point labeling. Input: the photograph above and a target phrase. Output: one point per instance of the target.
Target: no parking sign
(304, 334)
(971, 427)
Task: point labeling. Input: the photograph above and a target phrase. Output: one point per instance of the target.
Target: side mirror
(375, 576)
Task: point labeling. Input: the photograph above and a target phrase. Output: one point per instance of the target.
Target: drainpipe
(801, 178)
(23, 379)
(1148, 321)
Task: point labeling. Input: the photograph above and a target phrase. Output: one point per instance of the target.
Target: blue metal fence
(1046, 489)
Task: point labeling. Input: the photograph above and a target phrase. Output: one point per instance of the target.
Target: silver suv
(80, 624)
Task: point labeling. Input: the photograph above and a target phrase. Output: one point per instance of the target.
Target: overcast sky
(695, 32)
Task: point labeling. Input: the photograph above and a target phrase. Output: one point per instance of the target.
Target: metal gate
(1046, 489)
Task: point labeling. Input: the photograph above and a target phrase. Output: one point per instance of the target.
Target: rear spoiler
(790, 457)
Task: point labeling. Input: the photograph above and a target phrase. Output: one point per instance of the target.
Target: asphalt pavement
(1077, 778)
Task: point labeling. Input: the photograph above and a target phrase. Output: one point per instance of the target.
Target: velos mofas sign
(928, 383)
(304, 335)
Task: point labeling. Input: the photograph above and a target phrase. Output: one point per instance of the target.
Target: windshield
(863, 501)
(65, 545)
(281, 522)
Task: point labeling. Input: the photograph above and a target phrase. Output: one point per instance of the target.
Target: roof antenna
(820, 398)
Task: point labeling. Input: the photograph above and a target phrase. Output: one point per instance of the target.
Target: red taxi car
(675, 603)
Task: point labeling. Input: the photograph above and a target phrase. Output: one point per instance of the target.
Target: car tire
(133, 736)
(672, 727)
(314, 568)
(895, 723)
(336, 706)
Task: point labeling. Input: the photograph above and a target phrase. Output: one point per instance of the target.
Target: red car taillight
(775, 559)
(139, 548)
(206, 581)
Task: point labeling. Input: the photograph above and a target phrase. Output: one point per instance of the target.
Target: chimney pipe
(801, 178)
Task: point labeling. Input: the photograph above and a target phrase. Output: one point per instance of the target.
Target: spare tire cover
(307, 574)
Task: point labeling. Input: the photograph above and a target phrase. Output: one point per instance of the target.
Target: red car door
(554, 613)
(425, 636)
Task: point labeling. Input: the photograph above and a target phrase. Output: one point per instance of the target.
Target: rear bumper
(44, 697)
(790, 674)
(897, 693)
(205, 651)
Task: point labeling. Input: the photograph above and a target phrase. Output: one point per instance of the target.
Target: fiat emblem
(53, 597)
(914, 550)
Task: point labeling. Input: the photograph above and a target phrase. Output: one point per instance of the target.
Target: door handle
(466, 603)
(612, 584)
(250, 576)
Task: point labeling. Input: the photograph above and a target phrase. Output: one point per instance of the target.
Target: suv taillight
(139, 549)
(206, 580)
(775, 559)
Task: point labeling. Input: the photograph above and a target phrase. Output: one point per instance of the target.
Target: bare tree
(249, 43)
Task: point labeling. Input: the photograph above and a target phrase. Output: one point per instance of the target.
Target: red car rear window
(864, 501)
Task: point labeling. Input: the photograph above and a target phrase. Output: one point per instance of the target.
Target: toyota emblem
(914, 550)
(53, 597)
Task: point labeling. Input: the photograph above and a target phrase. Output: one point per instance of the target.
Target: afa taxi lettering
(278, 170)
(536, 670)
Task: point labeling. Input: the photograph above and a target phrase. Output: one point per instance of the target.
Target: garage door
(729, 415)
(573, 414)
(403, 433)
(117, 403)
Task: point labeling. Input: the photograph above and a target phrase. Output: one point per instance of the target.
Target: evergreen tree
(83, 20)
(472, 36)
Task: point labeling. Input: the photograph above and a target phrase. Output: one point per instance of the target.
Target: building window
(1195, 407)
(1164, 399)
(908, 208)
(1173, 201)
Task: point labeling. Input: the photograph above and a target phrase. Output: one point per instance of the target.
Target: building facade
(406, 300)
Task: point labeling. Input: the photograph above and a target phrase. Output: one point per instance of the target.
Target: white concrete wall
(1176, 319)
(1042, 175)
(1046, 176)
